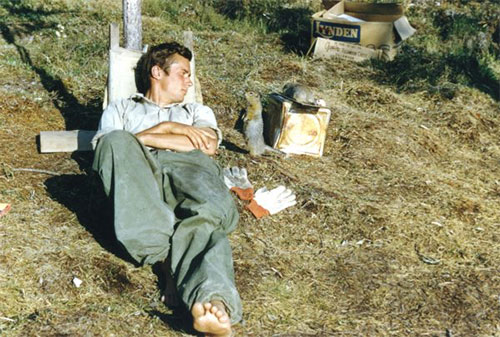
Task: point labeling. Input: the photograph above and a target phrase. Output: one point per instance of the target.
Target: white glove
(271, 202)
(236, 180)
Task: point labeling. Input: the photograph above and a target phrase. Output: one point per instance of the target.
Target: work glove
(267, 202)
(236, 180)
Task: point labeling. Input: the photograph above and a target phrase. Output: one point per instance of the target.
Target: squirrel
(253, 126)
(302, 94)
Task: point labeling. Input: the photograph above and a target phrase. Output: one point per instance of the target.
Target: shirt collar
(139, 97)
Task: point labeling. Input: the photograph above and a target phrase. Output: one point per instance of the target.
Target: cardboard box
(359, 31)
(295, 128)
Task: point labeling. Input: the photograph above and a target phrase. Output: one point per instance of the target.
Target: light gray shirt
(138, 113)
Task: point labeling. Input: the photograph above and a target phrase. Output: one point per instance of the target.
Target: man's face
(175, 84)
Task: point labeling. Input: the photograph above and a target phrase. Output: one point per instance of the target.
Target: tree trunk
(132, 24)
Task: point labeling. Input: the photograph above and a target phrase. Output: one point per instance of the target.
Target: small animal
(300, 93)
(253, 126)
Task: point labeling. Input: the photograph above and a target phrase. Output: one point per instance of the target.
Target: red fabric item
(243, 194)
(5, 208)
(257, 210)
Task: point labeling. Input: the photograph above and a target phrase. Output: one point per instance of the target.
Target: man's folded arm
(180, 137)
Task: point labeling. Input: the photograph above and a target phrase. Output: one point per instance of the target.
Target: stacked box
(359, 31)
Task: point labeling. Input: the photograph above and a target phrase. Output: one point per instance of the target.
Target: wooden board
(66, 141)
(194, 92)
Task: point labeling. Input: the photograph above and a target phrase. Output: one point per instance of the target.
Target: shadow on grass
(416, 69)
(180, 320)
(75, 114)
(233, 147)
(294, 26)
(73, 191)
(82, 194)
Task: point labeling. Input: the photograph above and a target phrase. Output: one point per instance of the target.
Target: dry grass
(395, 232)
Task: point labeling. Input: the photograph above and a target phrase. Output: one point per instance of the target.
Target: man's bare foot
(211, 318)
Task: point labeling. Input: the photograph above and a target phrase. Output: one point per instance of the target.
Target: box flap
(389, 9)
(403, 27)
(375, 18)
(386, 12)
(336, 10)
(329, 3)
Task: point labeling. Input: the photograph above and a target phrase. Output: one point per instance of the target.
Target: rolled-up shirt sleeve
(204, 117)
(111, 119)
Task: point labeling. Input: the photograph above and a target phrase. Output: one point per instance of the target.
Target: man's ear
(156, 72)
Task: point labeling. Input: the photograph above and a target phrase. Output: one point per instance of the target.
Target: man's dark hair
(159, 55)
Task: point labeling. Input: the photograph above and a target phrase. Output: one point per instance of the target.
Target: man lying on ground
(170, 202)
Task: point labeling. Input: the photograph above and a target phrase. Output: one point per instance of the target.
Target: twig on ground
(37, 171)
(7, 319)
(282, 171)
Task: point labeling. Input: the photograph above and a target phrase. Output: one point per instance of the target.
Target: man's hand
(179, 137)
(199, 137)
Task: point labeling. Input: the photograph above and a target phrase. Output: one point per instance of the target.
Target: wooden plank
(188, 39)
(194, 92)
(114, 36)
(121, 74)
(66, 141)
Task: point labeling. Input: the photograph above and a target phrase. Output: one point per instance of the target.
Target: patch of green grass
(416, 69)
(402, 170)
(453, 45)
(190, 15)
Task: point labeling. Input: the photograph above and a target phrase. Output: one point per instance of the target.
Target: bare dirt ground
(395, 232)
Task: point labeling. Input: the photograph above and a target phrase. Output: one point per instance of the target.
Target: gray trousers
(172, 203)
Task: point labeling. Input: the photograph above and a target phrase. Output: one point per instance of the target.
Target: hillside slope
(396, 228)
